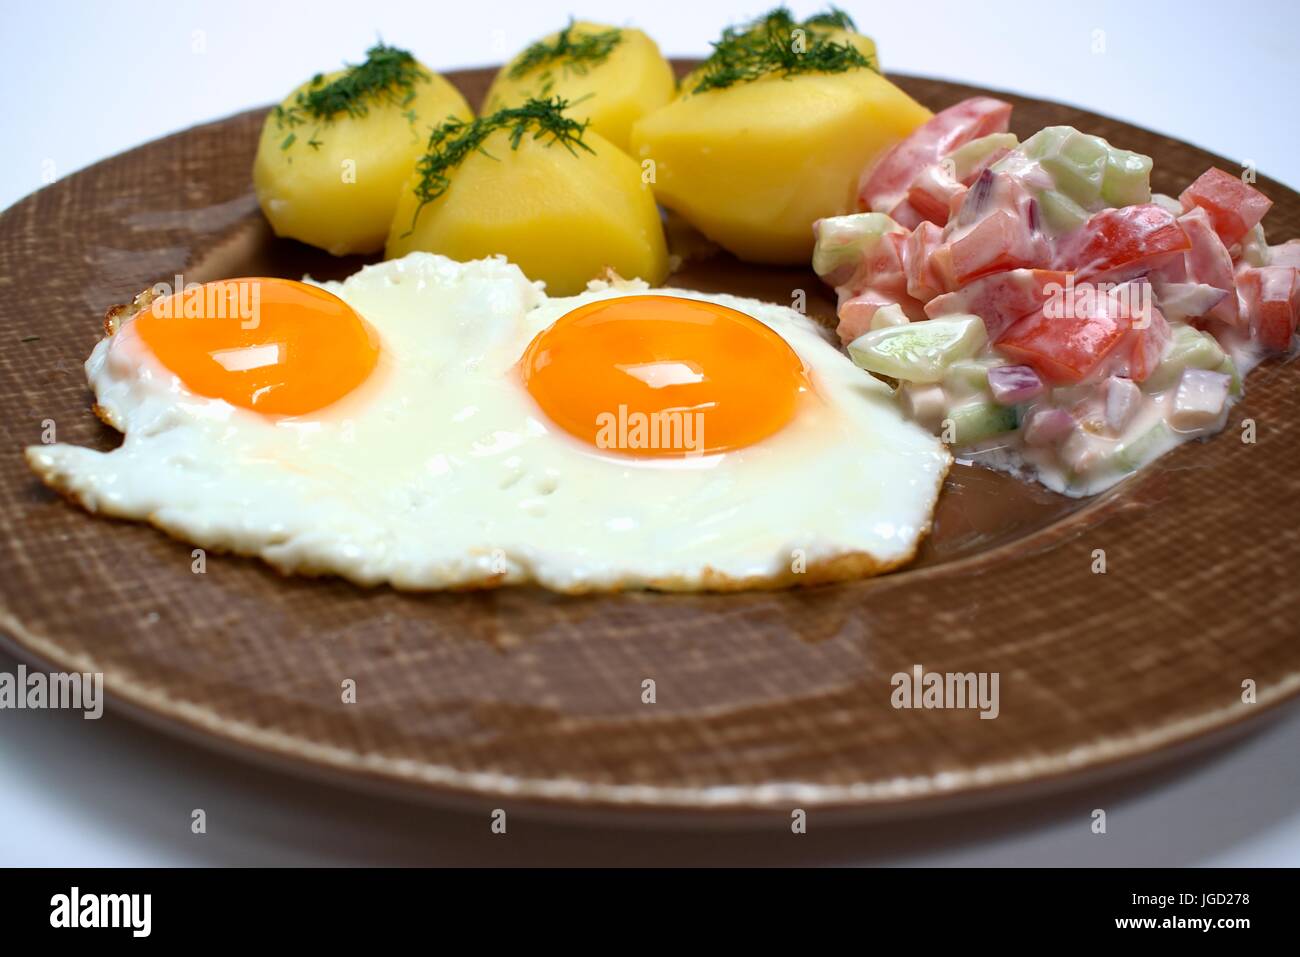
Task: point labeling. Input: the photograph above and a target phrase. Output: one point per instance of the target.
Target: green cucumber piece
(967, 377)
(1229, 368)
(1134, 454)
(1060, 213)
(1127, 180)
(1189, 349)
(919, 351)
(966, 159)
(976, 421)
(890, 315)
(844, 241)
(1078, 165)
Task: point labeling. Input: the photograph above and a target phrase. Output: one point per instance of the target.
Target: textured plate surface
(763, 701)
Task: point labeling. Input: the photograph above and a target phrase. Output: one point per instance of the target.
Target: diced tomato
(883, 280)
(905, 214)
(1271, 298)
(1234, 206)
(934, 193)
(1150, 339)
(1067, 342)
(885, 182)
(1208, 262)
(1115, 243)
(998, 242)
(856, 311)
(1002, 298)
(925, 273)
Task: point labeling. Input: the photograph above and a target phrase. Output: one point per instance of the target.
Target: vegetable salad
(1040, 309)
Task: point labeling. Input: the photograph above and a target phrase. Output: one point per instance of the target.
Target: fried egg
(434, 424)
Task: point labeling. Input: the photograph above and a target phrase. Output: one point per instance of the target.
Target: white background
(85, 80)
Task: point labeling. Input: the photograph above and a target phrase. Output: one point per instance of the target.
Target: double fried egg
(434, 424)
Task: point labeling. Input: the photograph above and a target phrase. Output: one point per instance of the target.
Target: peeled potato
(754, 165)
(629, 82)
(340, 194)
(561, 217)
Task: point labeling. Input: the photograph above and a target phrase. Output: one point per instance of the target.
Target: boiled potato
(561, 216)
(332, 181)
(754, 164)
(612, 91)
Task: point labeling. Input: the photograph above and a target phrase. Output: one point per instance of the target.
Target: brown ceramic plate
(765, 701)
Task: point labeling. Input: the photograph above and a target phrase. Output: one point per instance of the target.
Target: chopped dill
(388, 75)
(834, 18)
(574, 50)
(455, 139)
(770, 45)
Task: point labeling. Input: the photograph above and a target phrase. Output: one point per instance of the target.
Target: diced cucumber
(1229, 368)
(1168, 203)
(890, 315)
(966, 159)
(1077, 163)
(919, 351)
(842, 242)
(1060, 213)
(1128, 178)
(967, 377)
(1046, 141)
(975, 421)
(1087, 171)
(1151, 444)
(1189, 349)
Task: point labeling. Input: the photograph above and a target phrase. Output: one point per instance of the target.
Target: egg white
(440, 470)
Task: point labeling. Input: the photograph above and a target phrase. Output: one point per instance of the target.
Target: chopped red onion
(1012, 385)
(979, 193)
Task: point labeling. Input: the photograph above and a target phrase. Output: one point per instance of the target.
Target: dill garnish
(768, 46)
(456, 139)
(388, 75)
(575, 51)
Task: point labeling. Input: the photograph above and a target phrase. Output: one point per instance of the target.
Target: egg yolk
(272, 345)
(662, 376)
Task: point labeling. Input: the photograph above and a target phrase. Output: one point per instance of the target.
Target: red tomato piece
(998, 242)
(925, 271)
(1271, 297)
(1065, 342)
(933, 193)
(1234, 206)
(1208, 262)
(1124, 240)
(1150, 340)
(1002, 298)
(885, 182)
